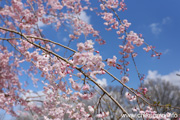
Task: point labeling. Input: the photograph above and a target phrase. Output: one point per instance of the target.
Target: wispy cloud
(166, 20)
(156, 28)
(83, 16)
(171, 77)
(102, 82)
(166, 51)
(65, 39)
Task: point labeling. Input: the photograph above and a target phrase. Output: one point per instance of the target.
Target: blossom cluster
(57, 106)
(130, 97)
(87, 60)
(10, 86)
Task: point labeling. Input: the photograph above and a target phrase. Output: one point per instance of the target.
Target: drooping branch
(79, 69)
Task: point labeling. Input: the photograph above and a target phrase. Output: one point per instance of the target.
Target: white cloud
(83, 16)
(155, 28)
(40, 24)
(166, 20)
(171, 77)
(166, 51)
(103, 82)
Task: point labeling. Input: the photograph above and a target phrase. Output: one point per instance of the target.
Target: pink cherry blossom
(86, 87)
(124, 79)
(91, 109)
(111, 62)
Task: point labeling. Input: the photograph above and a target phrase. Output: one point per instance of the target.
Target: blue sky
(158, 21)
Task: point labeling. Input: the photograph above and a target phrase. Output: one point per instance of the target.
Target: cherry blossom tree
(67, 79)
